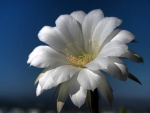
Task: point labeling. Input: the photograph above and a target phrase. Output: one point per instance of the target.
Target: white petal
(64, 73)
(35, 52)
(124, 36)
(119, 35)
(132, 56)
(39, 90)
(104, 28)
(52, 37)
(62, 96)
(114, 48)
(74, 86)
(90, 22)
(100, 62)
(42, 73)
(88, 80)
(123, 69)
(70, 28)
(114, 71)
(44, 56)
(117, 68)
(79, 98)
(79, 16)
(76, 92)
(109, 38)
(58, 75)
(119, 21)
(105, 89)
(37, 79)
(103, 79)
(46, 81)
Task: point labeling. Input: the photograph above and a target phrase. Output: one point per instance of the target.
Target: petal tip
(132, 77)
(134, 41)
(59, 106)
(38, 90)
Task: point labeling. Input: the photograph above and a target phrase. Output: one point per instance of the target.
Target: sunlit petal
(88, 80)
(90, 22)
(64, 73)
(104, 28)
(98, 63)
(114, 48)
(79, 16)
(124, 36)
(52, 37)
(71, 29)
(79, 98)
(39, 90)
(44, 56)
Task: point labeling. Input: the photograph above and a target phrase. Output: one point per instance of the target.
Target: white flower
(78, 48)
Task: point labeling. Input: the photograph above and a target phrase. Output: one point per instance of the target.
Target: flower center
(81, 61)
(77, 56)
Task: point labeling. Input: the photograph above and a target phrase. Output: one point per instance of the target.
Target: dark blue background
(20, 22)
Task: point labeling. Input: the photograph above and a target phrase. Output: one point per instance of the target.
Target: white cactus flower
(79, 47)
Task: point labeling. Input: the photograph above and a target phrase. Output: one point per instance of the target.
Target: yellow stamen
(81, 61)
(77, 56)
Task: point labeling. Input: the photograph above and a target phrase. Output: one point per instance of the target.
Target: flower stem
(93, 101)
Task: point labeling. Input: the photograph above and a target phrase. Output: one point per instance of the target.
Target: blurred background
(20, 22)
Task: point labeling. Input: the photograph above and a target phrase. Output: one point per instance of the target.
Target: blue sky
(20, 22)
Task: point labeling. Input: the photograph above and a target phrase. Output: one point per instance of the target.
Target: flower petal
(119, 35)
(79, 98)
(88, 80)
(79, 16)
(52, 37)
(39, 90)
(114, 48)
(90, 22)
(105, 89)
(124, 36)
(123, 69)
(62, 96)
(59, 106)
(117, 68)
(100, 62)
(41, 74)
(46, 81)
(70, 28)
(58, 75)
(76, 92)
(34, 53)
(104, 28)
(109, 38)
(132, 77)
(64, 73)
(74, 86)
(138, 58)
(132, 56)
(44, 56)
